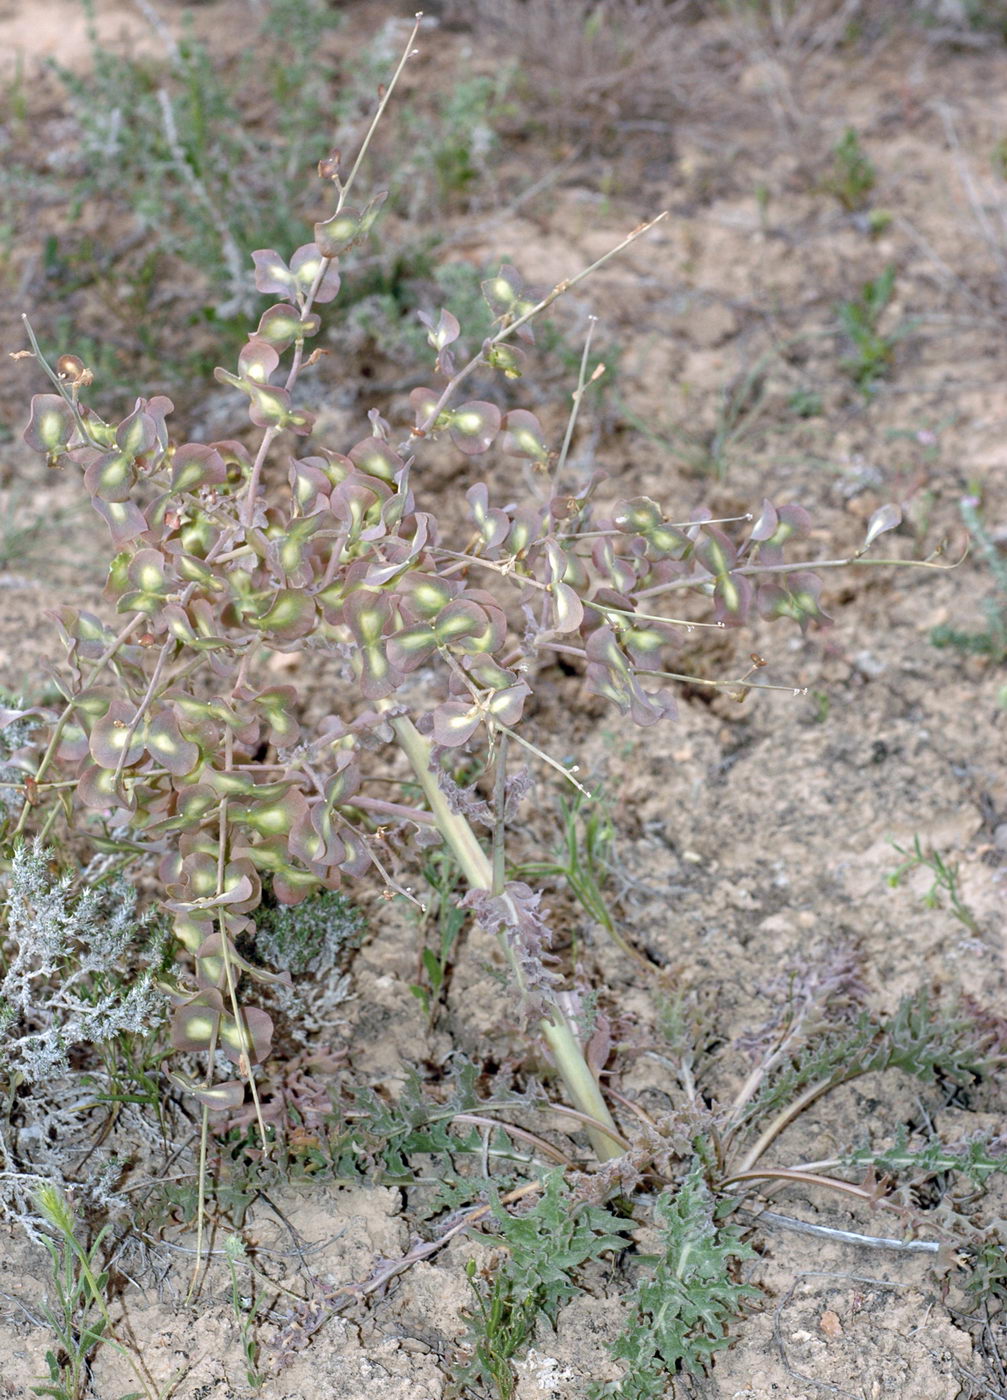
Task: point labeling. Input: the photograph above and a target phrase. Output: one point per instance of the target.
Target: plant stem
(475, 865)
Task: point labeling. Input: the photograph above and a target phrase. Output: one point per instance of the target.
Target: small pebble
(869, 665)
(830, 1324)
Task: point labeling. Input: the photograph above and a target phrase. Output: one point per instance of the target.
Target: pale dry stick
(805, 1227)
(408, 53)
(571, 423)
(388, 1270)
(742, 682)
(204, 1140)
(344, 186)
(653, 617)
(244, 1066)
(347, 1294)
(668, 524)
(751, 1086)
(33, 1318)
(791, 1176)
(991, 1344)
(576, 398)
(567, 773)
(254, 476)
(964, 1373)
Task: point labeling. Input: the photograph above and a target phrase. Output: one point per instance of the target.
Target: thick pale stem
(452, 826)
(475, 864)
(580, 1083)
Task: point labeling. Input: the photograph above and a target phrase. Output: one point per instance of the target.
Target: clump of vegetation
(313, 937)
(61, 949)
(581, 860)
(860, 320)
(213, 576)
(853, 174)
(545, 1247)
(79, 968)
(174, 136)
(178, 143)
(680, 1314)
(80, 1317)
(700, 1162)
(945, 879)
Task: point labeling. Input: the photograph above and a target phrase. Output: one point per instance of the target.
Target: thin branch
(522, 1134)
(751, 570)
(783, 1119)
(830, 1183)
(576, 398)
(507, 331)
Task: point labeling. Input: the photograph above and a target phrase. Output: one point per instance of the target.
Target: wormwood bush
(311, 938)
(78, 970)
(177, 744)
(60, 949)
